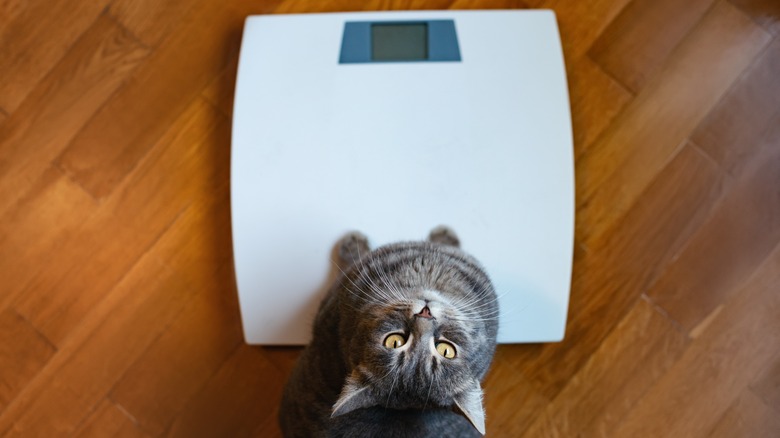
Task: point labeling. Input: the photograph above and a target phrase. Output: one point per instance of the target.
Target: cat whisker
(394, 290)
(348, 278)
(366, 278)
(480, 310)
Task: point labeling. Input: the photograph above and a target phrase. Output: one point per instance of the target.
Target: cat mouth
(425, 313)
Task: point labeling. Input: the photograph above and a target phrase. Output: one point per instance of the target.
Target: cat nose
(425, 312)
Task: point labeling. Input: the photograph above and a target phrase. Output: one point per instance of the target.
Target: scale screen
(389, 41)
(399, 42)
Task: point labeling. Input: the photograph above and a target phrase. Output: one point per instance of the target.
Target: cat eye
(394, 341)
(446, 349)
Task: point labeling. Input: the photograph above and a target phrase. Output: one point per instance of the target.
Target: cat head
(422, 322)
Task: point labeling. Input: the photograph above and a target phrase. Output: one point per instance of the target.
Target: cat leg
(445, 236)
(353, 247)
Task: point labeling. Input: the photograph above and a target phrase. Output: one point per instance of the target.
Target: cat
(400, 345)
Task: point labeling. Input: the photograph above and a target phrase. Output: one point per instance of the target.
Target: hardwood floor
(118, 310)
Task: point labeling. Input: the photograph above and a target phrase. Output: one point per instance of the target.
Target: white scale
(392, 123)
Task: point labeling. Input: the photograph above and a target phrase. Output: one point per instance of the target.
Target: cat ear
(469, 404)
(353, 396)
(445, 236)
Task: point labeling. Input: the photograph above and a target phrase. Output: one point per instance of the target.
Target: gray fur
(348, 384)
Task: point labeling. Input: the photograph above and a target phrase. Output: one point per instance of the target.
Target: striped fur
(347, 383)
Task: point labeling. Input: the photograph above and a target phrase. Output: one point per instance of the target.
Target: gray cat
(400, 344)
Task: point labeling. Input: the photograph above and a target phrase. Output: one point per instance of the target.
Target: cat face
(423, 333)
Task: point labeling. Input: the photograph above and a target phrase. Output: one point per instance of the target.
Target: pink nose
(425, 312)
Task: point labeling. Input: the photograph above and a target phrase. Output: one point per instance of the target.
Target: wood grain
(747, 417)
(640, 39)
(40, 217)
(511, 396)
(625, 265)
(606, 387)
(739, 234)
(767, 385)
(718, 365)
(35, 37)
(178, 364)
(741, 119)
(183, 166)
(118, 308)
(151, 21)
(108, 420)
(242, 393)
(23, 352)
(67, 389)
(764, 12)
(10, 9)
(656, 123)
(136, 117)
(220, 91)
(596, 99)
(91, 71)
(581, 23)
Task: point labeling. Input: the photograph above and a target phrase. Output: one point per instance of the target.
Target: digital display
(399, 42)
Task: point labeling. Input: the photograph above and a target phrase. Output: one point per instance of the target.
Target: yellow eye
(394, 341)
(446, 349)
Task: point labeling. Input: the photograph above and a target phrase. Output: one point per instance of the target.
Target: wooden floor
(118, 312)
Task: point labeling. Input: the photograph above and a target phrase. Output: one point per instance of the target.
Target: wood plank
(767, 385)
(717, 366)
(309, 6)
(731, 131)
(179, 364)
(141, 282)
(35, 37)
(108, 420)
(115, 334)
(580, 23)
(190, 162)
(608, 280)
(284, 358)
(595, 98)
(80, 375)
(40, 223)
(151, 21)
(764, 12)
(270, 427)
(139, 113)
(23, 352)
(236, 401)
(637, 42)
(611, 176)
(10, 9)
(747, 417)
(488, 4)
(91, 71)
(220, 91)
(615, 377)
(659, 359)
(510, 399)
(741, 232)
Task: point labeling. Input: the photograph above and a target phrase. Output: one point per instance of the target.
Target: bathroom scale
(393, 123)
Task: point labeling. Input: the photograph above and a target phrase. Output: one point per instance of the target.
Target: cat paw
(445, 236)
(353, 247)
